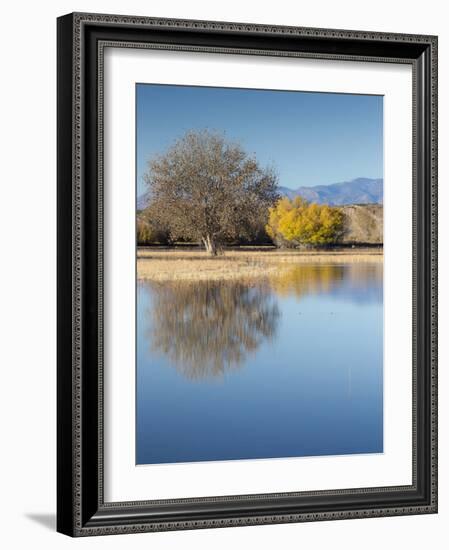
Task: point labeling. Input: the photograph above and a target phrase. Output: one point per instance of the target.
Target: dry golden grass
(247, 263)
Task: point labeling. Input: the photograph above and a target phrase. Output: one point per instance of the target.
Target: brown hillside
(363, 224)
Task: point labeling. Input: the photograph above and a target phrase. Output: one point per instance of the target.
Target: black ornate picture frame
(81, 509)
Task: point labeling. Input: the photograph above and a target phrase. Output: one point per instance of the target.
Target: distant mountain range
(357, 191)
(143, 200)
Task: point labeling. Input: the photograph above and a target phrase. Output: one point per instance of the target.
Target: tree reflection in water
(208, 327)
(205, 328)
(358, 281)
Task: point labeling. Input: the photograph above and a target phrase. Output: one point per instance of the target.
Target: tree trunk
(211, 246)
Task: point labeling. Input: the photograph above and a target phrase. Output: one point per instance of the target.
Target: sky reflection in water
(285, 366)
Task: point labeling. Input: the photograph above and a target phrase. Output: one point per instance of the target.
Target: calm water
(288, 366)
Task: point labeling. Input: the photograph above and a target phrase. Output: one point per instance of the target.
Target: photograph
(231, 333)
(259, 274)
(246, 274)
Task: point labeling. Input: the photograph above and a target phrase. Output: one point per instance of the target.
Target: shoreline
(240, 264)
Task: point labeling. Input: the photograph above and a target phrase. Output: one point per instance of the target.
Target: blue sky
(310, 138)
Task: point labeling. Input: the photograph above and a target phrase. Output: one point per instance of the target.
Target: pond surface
(290, 365)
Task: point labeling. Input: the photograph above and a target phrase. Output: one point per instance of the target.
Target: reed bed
(191, 264)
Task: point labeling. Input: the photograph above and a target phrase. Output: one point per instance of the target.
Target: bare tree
(207, 189)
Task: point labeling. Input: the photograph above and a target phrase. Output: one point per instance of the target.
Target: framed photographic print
(247, 283)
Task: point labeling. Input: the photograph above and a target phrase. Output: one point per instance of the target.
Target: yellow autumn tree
(280, 215)
(298, 222)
